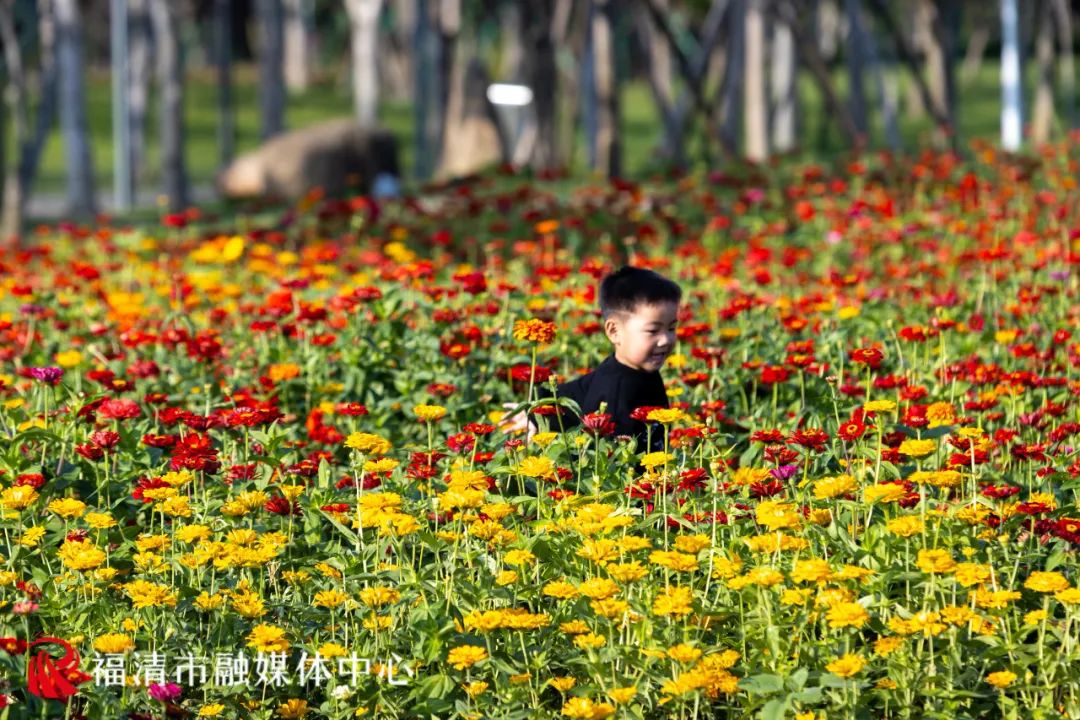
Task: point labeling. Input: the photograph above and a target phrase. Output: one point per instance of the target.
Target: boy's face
(645, 337)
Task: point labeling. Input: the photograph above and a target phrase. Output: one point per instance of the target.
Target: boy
(639, 309)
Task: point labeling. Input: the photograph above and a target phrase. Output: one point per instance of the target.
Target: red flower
(105, 439)
(871, 357)
(642, 413)
(281, 506)
(771, 374)
(599, 424)
(769, 437)
(119, 409)
(851, 430)
(35, 480)
(812, 439)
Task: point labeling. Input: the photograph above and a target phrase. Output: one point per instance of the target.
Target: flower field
(252, 467)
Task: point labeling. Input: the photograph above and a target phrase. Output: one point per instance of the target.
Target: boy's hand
(517, 423)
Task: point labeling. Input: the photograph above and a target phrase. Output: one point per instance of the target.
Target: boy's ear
(611, 329)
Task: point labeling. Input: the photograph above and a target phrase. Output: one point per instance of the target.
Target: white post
(1011, 96)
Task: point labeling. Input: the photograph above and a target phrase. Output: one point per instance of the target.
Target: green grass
(978, 116)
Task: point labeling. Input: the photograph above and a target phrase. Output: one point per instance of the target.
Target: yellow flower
(560, 589)
(847, 614)
(562, 684)
(99, 521)
(113, 643)
(589, 641)
(683, 653)
(585, 709)
(206, 602)
(884, 493)
(672, 560)
(67, 507)
(883, 647)
(536, 466)
(429, 413)
(692, 543)
(293, 708)
(968, 574)
(1069, 596)
(32, 536)
(940, 413)
(1046, 582)
(879, 406)
(1001, 679)
(666, 416)
(544, 439)
(935, 561)
(18, 497)
(917, 448)
(519, 557)
(622, 695)
(368, 444)
(655, 459)
(675, 600)
(329, 598)
(283, 371)
(475, 688)
(211, 710)
(465, 656)
(1035, 617)
(380, 465)
(598, 588)
(82, 555)
(267, 639)
(506, 577)
(831, 487)
(379, 596)
(811, 570)
(846, 666)
(534, 330)
(777, 515)
(146, 594)
(68, 358)
(905, 526)
(626, 572)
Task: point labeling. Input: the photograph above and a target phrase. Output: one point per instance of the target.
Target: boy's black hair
(628, 287)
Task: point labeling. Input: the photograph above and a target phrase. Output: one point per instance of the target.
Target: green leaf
(762, 684)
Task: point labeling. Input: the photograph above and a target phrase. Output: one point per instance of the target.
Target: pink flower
(165, 692)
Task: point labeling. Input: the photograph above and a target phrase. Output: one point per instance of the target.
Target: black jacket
(624, 389)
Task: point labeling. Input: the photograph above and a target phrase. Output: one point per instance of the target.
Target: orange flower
(534, 330)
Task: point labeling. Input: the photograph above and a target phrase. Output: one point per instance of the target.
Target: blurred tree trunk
(139, 70)
(1042, 110)
(451, 63)
(908, 55)
(542, 77)
(14, 192)
(828, 22)
(786, 11)
(364, 44)
(511, 55)
(697, 71)
(856, 62)
(1063, 21)
(397, 67)
(226, 123)
(170, 69)
(784, 90)
(977, 43)
(608, 157)
(72, 99)
(755, 105)
(426, 119)
(658, 57)
(1011, 100)
(297, 40)
(271, 68)
(731, 96)
(29, 162)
